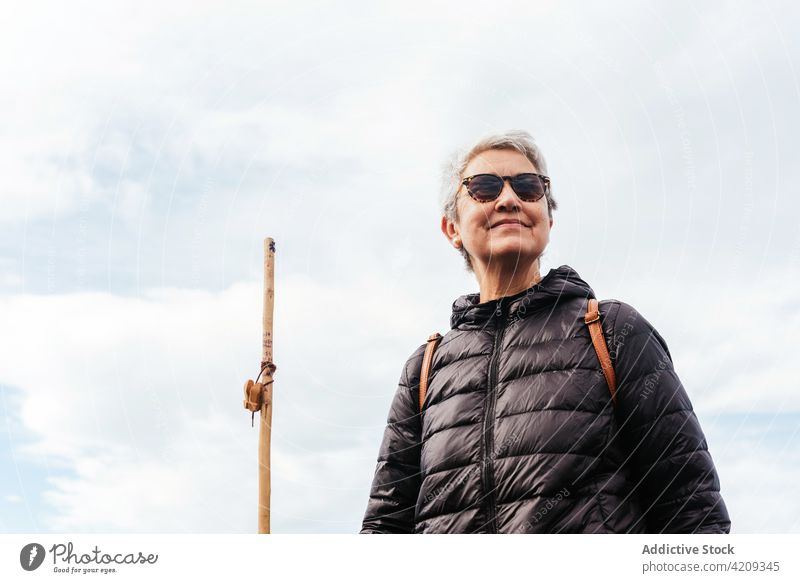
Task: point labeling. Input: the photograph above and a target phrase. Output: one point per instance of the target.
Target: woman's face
(516, 244)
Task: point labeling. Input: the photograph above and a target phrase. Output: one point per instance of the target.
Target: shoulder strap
(592, 320)
(433, 342)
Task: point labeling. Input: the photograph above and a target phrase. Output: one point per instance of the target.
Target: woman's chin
(511, 247)
(513, 255)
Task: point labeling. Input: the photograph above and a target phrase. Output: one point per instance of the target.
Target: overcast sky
(146, 149)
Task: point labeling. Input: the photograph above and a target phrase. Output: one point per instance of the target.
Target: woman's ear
(450, 231)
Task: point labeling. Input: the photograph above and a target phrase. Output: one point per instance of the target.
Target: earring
(456, 242)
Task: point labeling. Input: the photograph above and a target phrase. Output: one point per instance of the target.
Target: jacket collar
(559, 284)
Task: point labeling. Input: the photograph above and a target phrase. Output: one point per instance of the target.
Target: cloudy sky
(146, 149)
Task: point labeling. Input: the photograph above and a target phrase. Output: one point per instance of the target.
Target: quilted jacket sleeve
(677, 483)
(395, 487)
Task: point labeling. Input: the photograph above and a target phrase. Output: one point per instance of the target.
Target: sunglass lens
(485, 187)
(528, 186)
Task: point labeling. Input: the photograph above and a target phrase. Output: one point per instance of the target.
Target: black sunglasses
(529, 187)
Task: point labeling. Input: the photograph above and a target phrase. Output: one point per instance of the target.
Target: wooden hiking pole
(258, 395)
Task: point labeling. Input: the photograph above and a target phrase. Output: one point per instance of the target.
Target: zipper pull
(498, 310)
(501, 309)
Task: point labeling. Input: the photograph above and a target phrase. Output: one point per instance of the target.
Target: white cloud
(135, 403)
(758, 475)
(139, 399)
(197, 127)
(731, 340)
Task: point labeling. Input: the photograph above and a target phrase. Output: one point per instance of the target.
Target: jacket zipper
(488, 424)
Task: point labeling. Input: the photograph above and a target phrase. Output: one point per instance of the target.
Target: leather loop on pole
(433, 341)
(253, 395)
(254, 391)
(592, 319)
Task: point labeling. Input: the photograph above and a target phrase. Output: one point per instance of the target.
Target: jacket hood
(559, 283)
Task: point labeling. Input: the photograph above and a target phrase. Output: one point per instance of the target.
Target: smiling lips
(508, 222)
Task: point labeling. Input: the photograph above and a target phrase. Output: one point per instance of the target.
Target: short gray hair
(453, 169)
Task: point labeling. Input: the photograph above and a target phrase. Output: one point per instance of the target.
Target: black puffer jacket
(519, 435)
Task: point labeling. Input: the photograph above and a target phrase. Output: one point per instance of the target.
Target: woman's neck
(505, 281)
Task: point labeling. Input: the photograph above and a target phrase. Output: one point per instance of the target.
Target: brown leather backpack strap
(433, 341)
(592, 319)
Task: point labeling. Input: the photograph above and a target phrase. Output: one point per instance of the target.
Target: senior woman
(519, 431)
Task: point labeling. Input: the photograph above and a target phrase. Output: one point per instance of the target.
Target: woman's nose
(507, 199)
